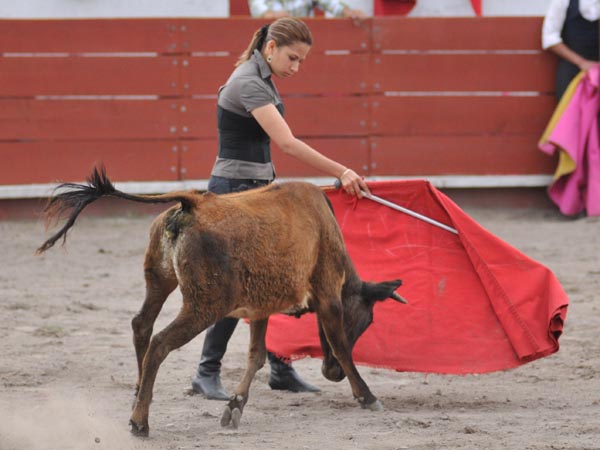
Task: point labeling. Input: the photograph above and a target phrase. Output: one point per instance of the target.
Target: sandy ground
(67, 365)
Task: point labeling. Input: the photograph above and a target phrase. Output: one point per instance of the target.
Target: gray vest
(244, 147)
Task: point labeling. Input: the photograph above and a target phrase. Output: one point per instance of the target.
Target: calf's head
(358, 303)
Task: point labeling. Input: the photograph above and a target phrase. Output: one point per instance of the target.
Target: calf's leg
(330, 315)
(158, 289)
(180, 331)
(257, 354)
(330, 368)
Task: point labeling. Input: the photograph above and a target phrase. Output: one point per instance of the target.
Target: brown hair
(284, 31)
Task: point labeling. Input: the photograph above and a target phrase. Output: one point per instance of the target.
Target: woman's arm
(278, 130)
(551, 35)
(554, 21)
(566, 53)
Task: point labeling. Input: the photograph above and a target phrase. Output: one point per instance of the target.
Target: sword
(402, 209)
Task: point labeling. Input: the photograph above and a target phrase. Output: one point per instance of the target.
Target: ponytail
(257, 43)
(284, 31)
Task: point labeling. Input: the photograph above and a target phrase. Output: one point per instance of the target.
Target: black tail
(75, 197)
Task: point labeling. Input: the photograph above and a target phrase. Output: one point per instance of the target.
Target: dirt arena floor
(67, 365)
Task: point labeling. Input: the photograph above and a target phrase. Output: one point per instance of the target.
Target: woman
(570, 30)
(250, 115)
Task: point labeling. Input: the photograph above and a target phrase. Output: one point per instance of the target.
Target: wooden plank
(460, 115)
(481, 33)
(89, 76)
(234, 35)
(90, 35)
(48, 162)
(199, 157)
(166, 35)
(320, 74)
(82, 119)
(458, 155)
(463, 72)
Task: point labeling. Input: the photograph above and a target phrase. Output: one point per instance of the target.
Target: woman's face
(286, 60)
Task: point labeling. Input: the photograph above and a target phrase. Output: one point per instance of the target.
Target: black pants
(218, 335)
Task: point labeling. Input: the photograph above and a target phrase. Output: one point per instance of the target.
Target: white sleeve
(554, 22)
(590, 9)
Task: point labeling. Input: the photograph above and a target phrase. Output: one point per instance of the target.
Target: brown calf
(249, 254)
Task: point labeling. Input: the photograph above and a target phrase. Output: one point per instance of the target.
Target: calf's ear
(373, 292)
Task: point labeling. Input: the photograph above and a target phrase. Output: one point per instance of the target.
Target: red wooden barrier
(391, 96)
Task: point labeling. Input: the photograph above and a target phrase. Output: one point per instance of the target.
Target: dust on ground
(67, 369)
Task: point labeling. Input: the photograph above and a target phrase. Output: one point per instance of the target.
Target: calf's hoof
(233, 412)
(373, 406)
(139, 430)
(231, 417)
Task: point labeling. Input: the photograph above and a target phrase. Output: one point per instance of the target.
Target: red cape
(476, 304)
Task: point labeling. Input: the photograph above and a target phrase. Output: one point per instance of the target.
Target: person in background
(274, 9)
(570, 30)
(249, 116)
(442, 8)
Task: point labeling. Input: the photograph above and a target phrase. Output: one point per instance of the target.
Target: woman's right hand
(353, 183)
(586, 64)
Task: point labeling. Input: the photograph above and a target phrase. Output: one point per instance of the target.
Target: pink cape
(576, 133)
(476, 304)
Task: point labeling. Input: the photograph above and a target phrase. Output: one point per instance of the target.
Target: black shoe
(208, 380)
(285, 378)
(209, 386)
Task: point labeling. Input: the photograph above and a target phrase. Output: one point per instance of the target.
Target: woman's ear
(270, 47)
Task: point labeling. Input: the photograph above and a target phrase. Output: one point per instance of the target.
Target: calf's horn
(398, 298)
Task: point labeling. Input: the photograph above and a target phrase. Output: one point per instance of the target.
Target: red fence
(391, 97)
